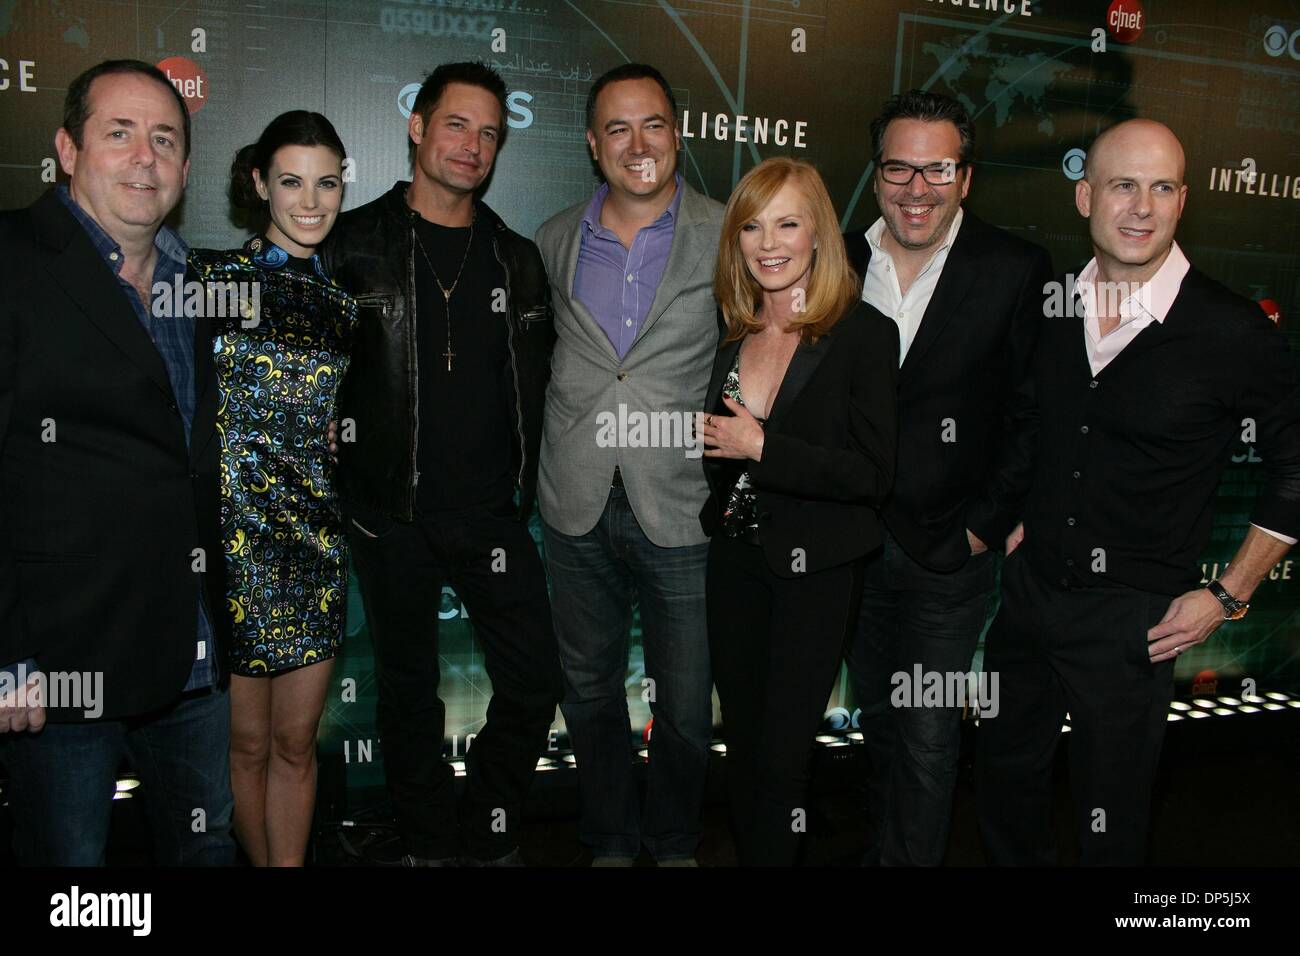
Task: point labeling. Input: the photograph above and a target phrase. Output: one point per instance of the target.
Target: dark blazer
(98, 525)
(965, 396)
(828, 449)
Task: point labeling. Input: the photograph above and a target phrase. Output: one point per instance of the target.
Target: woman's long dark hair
(294, 128)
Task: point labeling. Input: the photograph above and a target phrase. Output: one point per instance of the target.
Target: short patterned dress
(278, 374)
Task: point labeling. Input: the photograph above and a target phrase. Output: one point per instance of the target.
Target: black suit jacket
(101, 504)
(828, 447)
(965, 396)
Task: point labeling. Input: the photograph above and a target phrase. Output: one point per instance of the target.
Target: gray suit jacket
(666, 370)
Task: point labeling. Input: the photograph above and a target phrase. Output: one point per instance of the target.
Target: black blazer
(828, 450)
(965, 397)
(98, 525)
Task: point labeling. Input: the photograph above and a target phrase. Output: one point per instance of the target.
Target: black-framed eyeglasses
(899, 173)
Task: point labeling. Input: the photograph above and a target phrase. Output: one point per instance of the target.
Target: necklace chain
(446, 292)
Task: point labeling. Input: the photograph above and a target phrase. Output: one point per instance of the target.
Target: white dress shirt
(880, 285)
(1140, 304)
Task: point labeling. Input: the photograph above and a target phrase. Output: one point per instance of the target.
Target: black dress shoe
(513, 858)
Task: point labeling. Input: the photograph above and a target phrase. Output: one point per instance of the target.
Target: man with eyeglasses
(967, 298)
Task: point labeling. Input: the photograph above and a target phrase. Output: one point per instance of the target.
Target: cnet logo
(1272, 310)
(189, 80)
(1124, 20)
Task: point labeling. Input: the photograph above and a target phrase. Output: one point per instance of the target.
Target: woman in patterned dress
(280, 355)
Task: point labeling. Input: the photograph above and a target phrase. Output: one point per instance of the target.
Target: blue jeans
(911, 615)
(62, 782)
(595, 578)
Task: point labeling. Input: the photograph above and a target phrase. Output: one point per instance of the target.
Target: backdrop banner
(753, 79)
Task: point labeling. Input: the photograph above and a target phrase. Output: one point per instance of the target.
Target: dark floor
(1226, 796)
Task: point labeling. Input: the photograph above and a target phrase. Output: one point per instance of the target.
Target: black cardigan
(1128, 461)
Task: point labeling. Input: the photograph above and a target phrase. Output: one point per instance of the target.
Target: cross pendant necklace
(446, 292)
(446, 298)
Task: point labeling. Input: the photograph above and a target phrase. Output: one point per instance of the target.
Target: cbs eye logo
(1278, 41)
(518, 117)
(839, 719)
(406, 99)
(1073, 164)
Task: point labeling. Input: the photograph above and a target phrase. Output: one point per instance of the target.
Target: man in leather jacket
(440, 420)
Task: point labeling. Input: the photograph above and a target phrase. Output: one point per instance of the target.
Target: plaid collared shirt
(174, 339)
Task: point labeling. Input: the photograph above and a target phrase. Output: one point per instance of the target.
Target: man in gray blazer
(621, 483)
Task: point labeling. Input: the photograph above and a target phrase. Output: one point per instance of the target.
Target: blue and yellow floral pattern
(278, 374)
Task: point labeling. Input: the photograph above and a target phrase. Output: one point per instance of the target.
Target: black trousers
(775, 645)
(492, 563)
(1059, 649)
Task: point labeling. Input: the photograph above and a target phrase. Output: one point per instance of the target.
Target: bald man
(1148, 373)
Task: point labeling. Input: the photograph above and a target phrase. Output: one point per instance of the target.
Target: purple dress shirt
(617, 284)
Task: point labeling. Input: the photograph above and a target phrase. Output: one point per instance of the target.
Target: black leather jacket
(370, 254)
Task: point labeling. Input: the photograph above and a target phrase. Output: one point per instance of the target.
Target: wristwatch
(1233, 610)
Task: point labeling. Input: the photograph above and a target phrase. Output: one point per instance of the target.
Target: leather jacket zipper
(412, 313)
(514, 368)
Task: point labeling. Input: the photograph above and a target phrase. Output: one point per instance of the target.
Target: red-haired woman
(799, 431)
